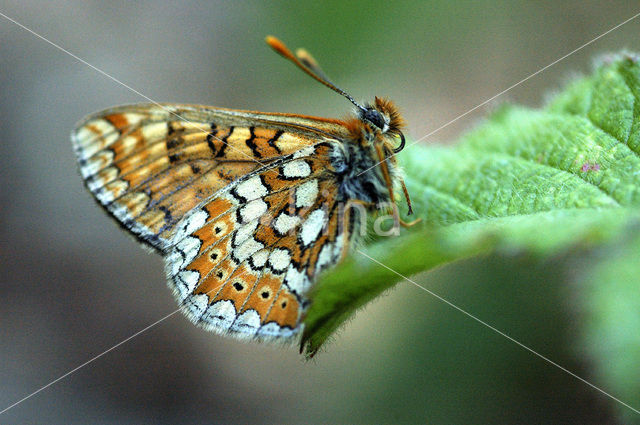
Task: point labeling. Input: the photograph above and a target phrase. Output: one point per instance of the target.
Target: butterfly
(247, 208)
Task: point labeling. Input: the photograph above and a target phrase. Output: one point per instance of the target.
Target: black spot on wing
(172, 143)
(272, 142)
(252, 144)
(224, 143)
(210, 137)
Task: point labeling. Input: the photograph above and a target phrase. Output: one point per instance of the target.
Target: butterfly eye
(374, 117)
(399, 148)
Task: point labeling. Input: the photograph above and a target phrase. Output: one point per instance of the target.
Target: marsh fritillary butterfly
(247, 208)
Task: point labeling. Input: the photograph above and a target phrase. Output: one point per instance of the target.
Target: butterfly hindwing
(148, 165)
(242, 262)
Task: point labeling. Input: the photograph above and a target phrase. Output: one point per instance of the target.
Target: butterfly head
(377, 129)
(385, 124)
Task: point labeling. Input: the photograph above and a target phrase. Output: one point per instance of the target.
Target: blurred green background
(73, 285)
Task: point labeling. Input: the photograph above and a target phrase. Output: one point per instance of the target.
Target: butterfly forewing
(148, 165)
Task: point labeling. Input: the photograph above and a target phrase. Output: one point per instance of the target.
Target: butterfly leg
(408, 224)
(397, 221)
(406, 195)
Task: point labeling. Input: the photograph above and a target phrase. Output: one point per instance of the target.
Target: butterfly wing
(240, 203)
(148, 165)
(243, 262)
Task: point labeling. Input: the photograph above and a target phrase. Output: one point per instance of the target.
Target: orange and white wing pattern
(240, 204)
(243, 262)
(148, 165)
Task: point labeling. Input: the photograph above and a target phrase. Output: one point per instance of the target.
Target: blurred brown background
(72, 285)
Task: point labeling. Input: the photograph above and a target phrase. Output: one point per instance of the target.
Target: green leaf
(551, 181)
(610, 305)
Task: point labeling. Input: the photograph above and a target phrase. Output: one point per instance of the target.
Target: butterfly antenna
(309, 61)
(308, 64)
